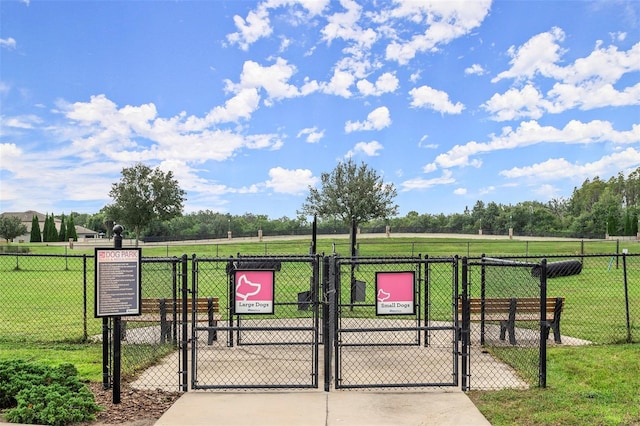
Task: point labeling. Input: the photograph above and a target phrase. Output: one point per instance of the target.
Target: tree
(11, 227)
(36, 235)
(71, 229)
(351, 193)
(144, 194)
(62, 235)
(49, 234)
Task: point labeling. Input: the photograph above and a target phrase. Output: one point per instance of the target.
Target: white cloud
(586, 84)
(427, 97)
(9, 152)
(377, 119)
(487, 190)
(589, 96)
(370, 149)
(386, 83)
(460, 191)
(241, 106)
(560, 168)
(421, 183)
(475, 69)
(8, 43)
(257, 24)
(602, 65)
(545, 191)
(312, 133)
(537, 56)
(138, 134)
(251, 29)
(290, 181)
(274, 80)
(431, 167)
(517, 103)
(340, 84)
(264, 141)
(345, 26)
(20, 122)
(445, 21)
(531, 133)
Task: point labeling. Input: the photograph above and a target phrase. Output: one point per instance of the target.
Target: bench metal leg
(165, 330)
(555, 326)
(213, 334)
(511, 328)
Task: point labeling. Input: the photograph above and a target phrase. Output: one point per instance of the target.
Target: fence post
(85, 334)
(626, 294)
(465, 330)
(542, 380)
(483, 294)
(326, 316)
(117, 330)
(184, 339)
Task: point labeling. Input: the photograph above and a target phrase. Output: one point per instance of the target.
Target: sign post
(117, 293)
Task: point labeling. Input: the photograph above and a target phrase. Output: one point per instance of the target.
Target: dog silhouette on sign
(246, 288)
(383, 295)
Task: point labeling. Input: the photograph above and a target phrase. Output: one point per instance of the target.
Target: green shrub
(14, 249)
(38, 394)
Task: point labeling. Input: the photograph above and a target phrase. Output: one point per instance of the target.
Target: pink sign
(254, 292)
(395, 293)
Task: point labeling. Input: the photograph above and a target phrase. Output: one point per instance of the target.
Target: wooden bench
(507, 311)
(162, 310)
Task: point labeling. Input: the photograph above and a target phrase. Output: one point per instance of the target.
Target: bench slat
(508, 311)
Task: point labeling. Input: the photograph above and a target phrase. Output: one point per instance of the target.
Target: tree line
(595, 209)
(12, 227)
(149, 202)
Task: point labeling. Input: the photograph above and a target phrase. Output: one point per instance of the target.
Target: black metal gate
(395, 322)
(261, 326)
(504, 323)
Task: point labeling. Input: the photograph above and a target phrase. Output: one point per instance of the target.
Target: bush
(14, 249)
(38, 394)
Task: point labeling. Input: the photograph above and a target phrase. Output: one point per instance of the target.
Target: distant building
(27, 217)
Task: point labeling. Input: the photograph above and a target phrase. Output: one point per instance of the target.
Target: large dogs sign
(254, 291)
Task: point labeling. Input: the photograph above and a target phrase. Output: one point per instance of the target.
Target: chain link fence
(47, 299)
(395, 322)
(589, 300)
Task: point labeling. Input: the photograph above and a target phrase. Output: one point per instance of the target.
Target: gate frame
(422, 290)
(465, 331)
(234, 319)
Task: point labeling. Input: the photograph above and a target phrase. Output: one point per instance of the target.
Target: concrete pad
(402, 409)
(336, 408)
(247, 409)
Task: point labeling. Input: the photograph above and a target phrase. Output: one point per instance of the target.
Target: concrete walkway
(335, 408)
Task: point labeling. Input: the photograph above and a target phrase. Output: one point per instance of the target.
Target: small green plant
(39, 394)
(14, 249)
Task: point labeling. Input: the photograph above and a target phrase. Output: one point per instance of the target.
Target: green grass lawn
(595, 385)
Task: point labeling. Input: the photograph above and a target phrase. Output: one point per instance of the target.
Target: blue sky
(248, 102)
